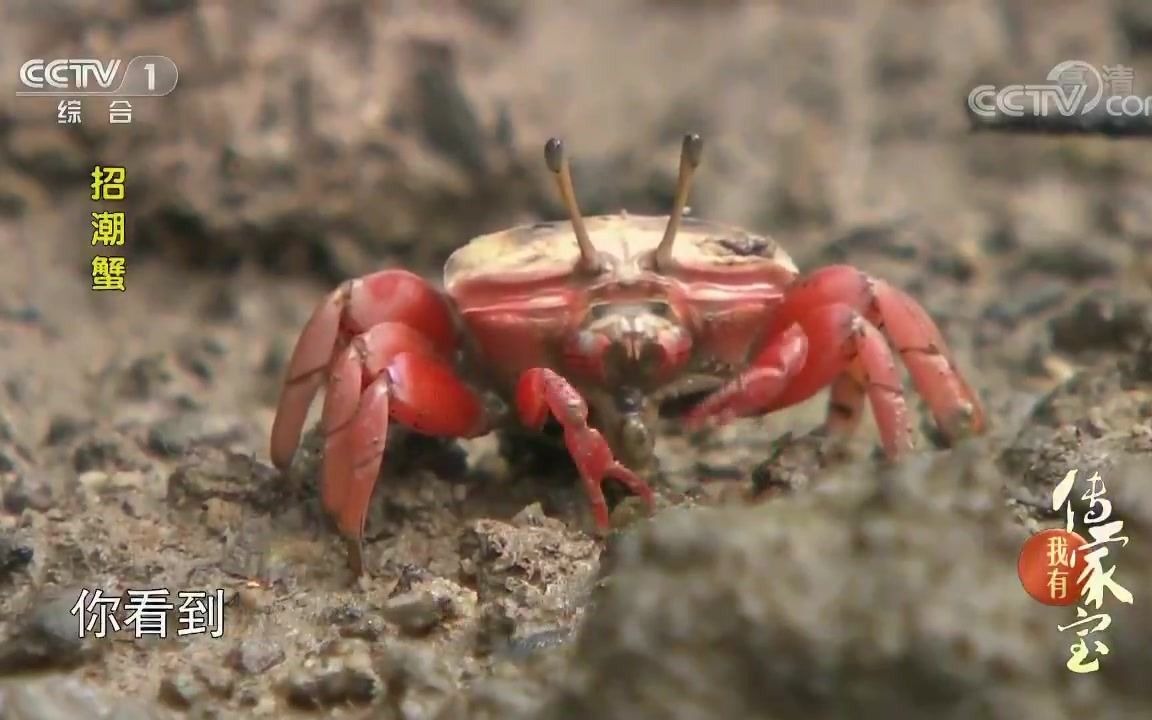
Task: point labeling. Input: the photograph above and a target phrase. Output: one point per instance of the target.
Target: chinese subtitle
(108, 271)
(149, 612)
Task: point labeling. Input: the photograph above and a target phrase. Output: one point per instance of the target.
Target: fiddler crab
(593, 323)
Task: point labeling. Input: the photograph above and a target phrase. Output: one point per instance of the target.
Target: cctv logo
(74, 75)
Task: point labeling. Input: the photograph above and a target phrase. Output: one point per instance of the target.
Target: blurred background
(312, 141)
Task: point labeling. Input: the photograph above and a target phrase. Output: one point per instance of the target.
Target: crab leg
(385, 343)
(846, 400)
(755, 389)
(390, 372)
(866, 319)
(541, 391)
(355, 306)
(908, 330)
(853, 345)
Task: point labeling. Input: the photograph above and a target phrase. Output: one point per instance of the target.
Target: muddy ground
(307, 145)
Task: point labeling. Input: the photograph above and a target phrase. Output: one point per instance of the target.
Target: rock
(7, 432)
(514, 691)
(102, 482)
(14, 556)
(344, 678)
(216, 679)
(520, 647)
(409, 577)
(791, 466)
(220, 516)
(145, 378)
(417, 613)
(531, 516)
(1091, 422)
(224, 305)
(67, 698)
(62, 429)
(105, 452)
(543, 566)
(27, 492)
(353, 622)
(1102, 323)
(848, 600)
(177, 435)
(955, 262)
(94, 480)
(19, 193)
(199, 356)
(897, 240)
(1135, 20)
(164, 7)
(254, 656)
(8, 462)
(213, 473)
(1073, 259)
(48, 156)
(47, 636)
(180, 690)
(495, 628)
(1033, 299)
(420, 680)
(540, 575)
(445, 113)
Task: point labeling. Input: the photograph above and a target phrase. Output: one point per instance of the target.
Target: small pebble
(254, 656)
(180, 690)
(417, 613)
(46, 636)
(341, 680)
(13, 557)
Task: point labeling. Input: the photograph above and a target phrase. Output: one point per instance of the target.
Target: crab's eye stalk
(690, 153)
(558, 164)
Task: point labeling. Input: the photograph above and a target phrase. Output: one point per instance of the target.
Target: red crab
(593, 323)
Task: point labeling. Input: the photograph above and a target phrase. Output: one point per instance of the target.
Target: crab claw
(541, 392)
(842, 329)
(384, 342)
(354, 307)
(757, 388)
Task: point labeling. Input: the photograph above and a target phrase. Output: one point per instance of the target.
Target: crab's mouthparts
(634, 346)
(638, 356)
(636, 343)
(632, 360)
